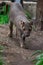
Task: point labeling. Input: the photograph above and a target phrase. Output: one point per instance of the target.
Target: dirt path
(13, 54)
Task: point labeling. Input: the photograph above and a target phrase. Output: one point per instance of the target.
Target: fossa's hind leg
(11, 29)
(16, 32)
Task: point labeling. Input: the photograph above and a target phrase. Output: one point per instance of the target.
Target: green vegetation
(4, 19)
(1, 61)
(39, 58)
(1, 57)
(1, 47)
(28, 14)
(4, 15)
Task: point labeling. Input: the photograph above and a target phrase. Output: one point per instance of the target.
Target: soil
(13, 54)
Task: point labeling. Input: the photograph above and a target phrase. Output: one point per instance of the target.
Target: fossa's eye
(22, 23)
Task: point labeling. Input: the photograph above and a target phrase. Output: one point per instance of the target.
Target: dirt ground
(13, 54)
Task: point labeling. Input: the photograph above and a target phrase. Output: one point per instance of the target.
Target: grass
(39, 58)
(4, 19)
(28, 14)
(1, 61)
(1, 57)
(1, 47)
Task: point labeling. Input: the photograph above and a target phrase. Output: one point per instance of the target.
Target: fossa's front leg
(20, 39)
(18, 36)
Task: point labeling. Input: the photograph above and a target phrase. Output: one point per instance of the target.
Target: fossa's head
(26, 28)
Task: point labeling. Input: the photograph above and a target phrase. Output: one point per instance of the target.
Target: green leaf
(40, 57)
(39, 63)
(1, 47)
(2, 61)
(28, 14)
(4, 18)
(36, 52)
(34, 60)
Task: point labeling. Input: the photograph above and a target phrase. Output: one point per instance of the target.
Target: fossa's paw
(21, 45)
